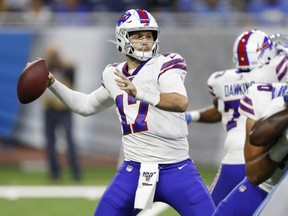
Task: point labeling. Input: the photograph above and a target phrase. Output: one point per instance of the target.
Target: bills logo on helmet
(124, 18)
(266, 45)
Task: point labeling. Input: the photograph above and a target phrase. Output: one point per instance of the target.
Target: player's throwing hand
(125, 84)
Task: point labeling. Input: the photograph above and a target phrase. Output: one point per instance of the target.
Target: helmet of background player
(136, 20)
(253, 49)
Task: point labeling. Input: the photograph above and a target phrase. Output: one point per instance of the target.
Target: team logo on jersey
(123, 18)
(242, 188)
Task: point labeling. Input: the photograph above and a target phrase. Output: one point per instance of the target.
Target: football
(33, 81)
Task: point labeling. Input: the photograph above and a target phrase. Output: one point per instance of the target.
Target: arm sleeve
(80, 103)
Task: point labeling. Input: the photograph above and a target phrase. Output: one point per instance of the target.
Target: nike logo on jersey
(181, 167)
(172, 56)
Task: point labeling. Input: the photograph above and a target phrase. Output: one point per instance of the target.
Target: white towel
(149, 175)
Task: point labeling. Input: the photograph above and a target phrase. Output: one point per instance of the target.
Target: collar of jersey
(127, 74)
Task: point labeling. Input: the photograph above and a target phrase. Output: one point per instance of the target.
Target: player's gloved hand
(188, 117)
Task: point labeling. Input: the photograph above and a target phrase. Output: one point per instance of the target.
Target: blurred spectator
(3, 6)
(268, 12)
(116, 5)
(3, 10)
(212, 6)
(37, 13)
(213, 11)
(185, 5)
(72, 6)
(17, 5)
(72, 12)
(57, 116)
(162, 5)
(239, 6)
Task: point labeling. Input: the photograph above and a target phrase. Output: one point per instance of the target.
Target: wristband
(279, 150)
(148, 96)
(195, 115)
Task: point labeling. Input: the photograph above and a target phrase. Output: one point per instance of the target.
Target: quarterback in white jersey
(256, 61)
(150, 98)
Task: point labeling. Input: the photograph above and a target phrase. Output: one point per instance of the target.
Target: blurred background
(202, 31)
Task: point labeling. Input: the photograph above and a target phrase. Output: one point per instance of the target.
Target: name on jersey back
(237, 88)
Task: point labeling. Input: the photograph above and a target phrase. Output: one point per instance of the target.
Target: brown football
(33, 81)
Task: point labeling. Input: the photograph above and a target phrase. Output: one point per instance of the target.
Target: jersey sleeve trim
(246, 105)
(178, 63)
(211, 91)
(281, 69)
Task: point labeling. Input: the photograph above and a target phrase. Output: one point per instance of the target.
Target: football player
(270, 133)
(256, 59)
(245, 198)
(150, 98)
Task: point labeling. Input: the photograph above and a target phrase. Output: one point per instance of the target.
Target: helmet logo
(264, 46)
(123, 18)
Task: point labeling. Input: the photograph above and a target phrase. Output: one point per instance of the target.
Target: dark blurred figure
(58, 116)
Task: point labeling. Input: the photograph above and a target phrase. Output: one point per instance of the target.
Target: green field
(62, 206)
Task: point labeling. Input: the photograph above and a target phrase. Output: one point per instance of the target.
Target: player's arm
(259, 167)
(170, 101)
(80, 103)
(266, 131)
(209, 114)
(270, 134)
(173, 102)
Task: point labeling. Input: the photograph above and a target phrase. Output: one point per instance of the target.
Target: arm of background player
(259, 167)
(266, 131)
(209, 114)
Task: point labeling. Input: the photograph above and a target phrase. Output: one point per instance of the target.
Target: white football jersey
(147, 130)
(229, 87)
(257, 103)
(149, 134)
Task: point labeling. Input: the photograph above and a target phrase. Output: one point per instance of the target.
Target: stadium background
(204, 40)
(206, 48)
